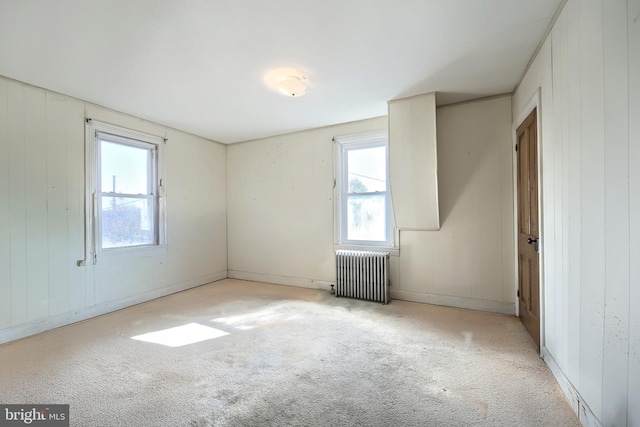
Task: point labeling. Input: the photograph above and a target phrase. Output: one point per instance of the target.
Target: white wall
(280, 211)
(280, 205)
(589, 75)
(42, 215)
(469, 262)
(413, 162)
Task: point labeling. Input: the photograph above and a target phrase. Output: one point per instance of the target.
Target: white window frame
(342, 145)
(93, 208)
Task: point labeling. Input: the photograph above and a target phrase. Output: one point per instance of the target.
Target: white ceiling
(199, 65)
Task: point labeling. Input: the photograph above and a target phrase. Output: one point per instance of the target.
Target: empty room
(305, 213)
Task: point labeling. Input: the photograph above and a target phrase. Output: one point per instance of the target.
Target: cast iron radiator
(363, 275)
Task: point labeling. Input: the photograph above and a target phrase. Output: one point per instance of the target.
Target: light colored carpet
(292, 357)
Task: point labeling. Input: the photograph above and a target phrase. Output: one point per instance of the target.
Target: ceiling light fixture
(293, 85)
(288, 81)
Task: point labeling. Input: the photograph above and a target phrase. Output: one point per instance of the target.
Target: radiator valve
(332, 291)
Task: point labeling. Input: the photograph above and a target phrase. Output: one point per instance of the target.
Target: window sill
(134, 251)
(392, 251)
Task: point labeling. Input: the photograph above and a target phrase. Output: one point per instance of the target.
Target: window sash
(152, 170)
(352, 231)
(145, 236)
(345, 145)
(150, 196)
(149, 225)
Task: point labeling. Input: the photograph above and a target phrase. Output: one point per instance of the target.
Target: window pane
(367, 170)
(127, 222)
(366, 218)
(125, 169)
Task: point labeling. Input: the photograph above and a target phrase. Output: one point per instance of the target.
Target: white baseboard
(493, 306)
(41, 325)
(579, 406)
(281, 280)
(451, 301)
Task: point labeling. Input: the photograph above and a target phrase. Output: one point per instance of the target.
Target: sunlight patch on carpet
(181, 335)
(256, 319)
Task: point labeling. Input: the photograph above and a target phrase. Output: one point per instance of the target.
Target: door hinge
(516, 147)
(518, 293)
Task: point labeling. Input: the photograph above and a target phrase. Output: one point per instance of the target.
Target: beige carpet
(291, 357)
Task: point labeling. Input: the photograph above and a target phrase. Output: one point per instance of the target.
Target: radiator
(363, 275)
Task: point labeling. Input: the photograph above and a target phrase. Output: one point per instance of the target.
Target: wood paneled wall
(42, 176)
(413, 162)
(589, 78)
(469, 262)
(281, 207)
(41, 215)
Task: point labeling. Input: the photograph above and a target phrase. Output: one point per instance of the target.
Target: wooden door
(528, 229)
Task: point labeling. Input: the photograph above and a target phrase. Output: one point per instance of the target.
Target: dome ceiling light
(288, 81)
(293, 85)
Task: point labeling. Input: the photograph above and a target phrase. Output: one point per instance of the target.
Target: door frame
(534, 102)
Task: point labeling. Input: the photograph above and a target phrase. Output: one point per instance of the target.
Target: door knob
(530, 240)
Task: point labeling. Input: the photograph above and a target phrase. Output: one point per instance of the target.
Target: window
(362, 190)
(124, 182)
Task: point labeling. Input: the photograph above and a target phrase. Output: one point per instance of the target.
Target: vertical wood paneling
(56, 151)
(489, 204)
(37, 255)
(416, 263)
(396, 122)
(600, 254)
(464, 279)
(548, 223)
(473, 223)
(544, 80)
(616, 127)
(207, 163)
(563, 214)
(572, 332)
(42, 204)
(74, 124)
(633, 51)
(5, 213)
(469, 254)
(555, 227)
(17, 202)
(413, 162)
(593, 204)
(443, 265)
(286, 181)
(506, 170)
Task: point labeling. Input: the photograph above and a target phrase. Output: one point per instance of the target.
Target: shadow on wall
(462, 164)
